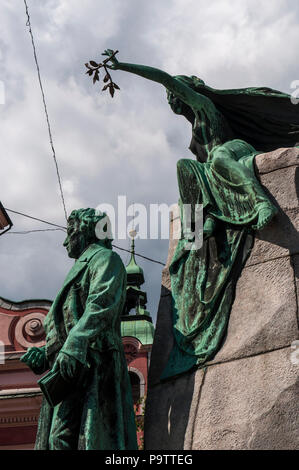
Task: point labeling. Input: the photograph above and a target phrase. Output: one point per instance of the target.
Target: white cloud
(128, 145)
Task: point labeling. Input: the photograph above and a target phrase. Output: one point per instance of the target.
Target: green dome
(143, 330)
(135, 275)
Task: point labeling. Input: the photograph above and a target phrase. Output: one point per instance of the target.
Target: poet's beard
(76, 247)
(75, 242)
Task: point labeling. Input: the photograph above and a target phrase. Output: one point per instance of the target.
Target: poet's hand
(35, 358)
(113, 63)
(67, 365)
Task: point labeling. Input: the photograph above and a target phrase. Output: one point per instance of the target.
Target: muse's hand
(114, 64)
(35, 358)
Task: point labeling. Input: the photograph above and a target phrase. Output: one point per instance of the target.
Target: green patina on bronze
(140, 328)
(139, 325)
(83, 343)
(229, 128)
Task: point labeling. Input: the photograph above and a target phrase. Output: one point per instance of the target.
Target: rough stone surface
(163, 339)
(246, 399)
(249, 404)
(295, 261)
(171, 427)
(280, 176)
(279, 238)
(280, 158)
(174, 235)
(282, 185)
(264, 318)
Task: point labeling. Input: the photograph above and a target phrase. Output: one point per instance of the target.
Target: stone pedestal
(247, 398)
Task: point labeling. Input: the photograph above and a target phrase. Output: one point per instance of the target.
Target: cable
(28, 23)
(141, 256)
(35, 218)
(64, 228)
(33, 231)
(45, 107)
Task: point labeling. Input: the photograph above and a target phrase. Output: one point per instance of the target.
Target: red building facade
(20, 396)
(21, 327)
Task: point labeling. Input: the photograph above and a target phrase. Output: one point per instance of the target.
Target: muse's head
(176, 104)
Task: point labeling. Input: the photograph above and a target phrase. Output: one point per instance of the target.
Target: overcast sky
(128, 145)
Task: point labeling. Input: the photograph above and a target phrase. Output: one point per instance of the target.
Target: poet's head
(84, 227)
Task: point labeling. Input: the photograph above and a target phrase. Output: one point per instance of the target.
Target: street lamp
(4, 221)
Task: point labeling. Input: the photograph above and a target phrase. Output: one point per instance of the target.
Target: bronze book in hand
(55, 388)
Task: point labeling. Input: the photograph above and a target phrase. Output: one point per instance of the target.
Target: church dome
(135, 275)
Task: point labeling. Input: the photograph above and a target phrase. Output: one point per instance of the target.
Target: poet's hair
(88, 219)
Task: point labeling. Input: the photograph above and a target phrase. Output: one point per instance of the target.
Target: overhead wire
(34, 218)
(140, 256)
(25, 232)
(60, 227)
(28, 23)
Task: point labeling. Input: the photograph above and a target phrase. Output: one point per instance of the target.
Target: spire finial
(133, 234)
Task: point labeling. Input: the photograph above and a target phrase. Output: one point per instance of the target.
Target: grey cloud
(128, 145)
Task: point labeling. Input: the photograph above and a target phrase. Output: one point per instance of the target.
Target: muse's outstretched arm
(182, 91)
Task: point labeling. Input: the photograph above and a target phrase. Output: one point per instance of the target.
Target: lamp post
(4, 221)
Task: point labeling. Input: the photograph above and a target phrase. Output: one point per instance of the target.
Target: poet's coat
(84, 322)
